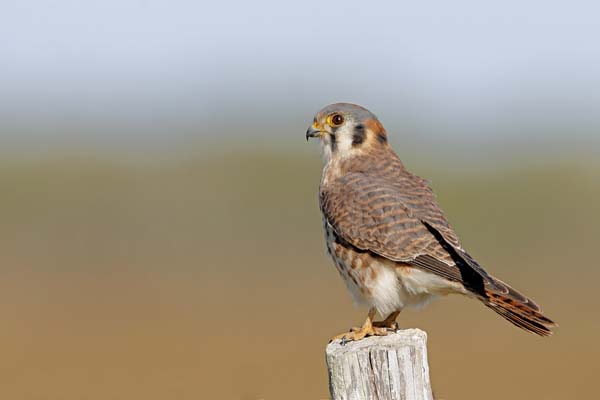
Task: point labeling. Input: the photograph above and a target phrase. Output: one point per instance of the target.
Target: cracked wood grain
(392, 367)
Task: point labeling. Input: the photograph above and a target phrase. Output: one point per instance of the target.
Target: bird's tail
(517, 308)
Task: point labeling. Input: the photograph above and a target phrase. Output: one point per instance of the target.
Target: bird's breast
(382, 283)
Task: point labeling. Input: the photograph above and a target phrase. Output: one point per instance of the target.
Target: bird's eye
(335, 119)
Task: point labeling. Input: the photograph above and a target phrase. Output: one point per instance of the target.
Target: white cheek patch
(343, 136)
(338, 144)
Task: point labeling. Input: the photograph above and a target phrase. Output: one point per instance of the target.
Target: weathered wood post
(392, 367)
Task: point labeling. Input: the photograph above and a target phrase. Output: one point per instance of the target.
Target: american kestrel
(388, 238)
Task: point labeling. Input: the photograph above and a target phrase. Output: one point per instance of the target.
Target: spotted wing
(399, 219)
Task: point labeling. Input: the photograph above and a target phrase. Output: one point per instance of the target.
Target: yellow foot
(389, 322)
(360, 333)
(393, 326)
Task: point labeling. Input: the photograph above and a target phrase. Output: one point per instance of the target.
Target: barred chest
(358, 269)
(377, 282)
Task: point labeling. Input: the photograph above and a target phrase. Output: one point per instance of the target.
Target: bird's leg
(366, 330)
(389, 322)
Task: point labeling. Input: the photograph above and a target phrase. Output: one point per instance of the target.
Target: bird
(388, 237)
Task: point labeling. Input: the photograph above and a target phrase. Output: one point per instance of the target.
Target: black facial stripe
(333, 142)
(359, 135)
(382, 138)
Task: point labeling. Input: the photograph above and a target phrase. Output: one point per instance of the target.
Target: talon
(388, 323)
(369, 328)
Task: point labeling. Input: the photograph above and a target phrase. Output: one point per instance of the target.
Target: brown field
(206, 278)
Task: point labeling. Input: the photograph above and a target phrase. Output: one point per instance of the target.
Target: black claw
(344, 341)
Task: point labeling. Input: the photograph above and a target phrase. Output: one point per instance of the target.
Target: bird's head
(345, 130)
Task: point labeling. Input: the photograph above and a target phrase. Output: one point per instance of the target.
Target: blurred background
(159, 228)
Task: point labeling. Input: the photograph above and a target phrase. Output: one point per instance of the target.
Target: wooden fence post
(392, 367)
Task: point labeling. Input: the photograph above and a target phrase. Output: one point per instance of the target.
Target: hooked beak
(314, 131)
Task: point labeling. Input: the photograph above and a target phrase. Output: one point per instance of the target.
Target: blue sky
(149, 61)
